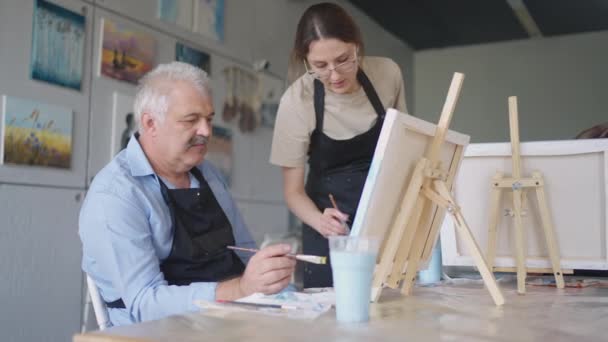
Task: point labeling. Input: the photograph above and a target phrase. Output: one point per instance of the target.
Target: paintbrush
(333, 202)
(314, 259)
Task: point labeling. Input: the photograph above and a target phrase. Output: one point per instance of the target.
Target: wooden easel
(518, 186)
(409, 239)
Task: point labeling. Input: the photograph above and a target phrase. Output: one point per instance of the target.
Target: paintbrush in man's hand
(315, 259)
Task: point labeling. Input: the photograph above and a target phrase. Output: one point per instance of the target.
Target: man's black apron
(201, 232)
(337, 167)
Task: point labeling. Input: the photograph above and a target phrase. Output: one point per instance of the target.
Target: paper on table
(309, 304)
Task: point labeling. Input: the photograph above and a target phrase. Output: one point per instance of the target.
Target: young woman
(331, 117)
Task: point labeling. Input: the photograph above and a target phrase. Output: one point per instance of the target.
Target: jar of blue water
(353, 260)
(433, 273)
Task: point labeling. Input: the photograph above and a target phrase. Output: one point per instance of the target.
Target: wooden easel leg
(494, 219)
(414, 253)
(465, 233)
(401, 258)
(548, 228)
(395, 237)
(520, 242)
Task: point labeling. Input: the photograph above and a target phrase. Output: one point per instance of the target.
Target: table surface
(461, 311)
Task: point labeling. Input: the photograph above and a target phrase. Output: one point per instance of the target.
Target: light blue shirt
(126, 231)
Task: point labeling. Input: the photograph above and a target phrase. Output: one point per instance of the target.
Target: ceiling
(428, 24)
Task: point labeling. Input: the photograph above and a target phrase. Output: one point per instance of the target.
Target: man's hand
(268, 271)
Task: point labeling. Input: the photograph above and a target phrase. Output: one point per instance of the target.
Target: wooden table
(448, 312)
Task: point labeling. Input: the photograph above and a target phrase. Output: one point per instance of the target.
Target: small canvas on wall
(126, 54)
(220, 152)
(176, 12)
(58, 39)
(35, 134)
(123, 122)
(209, 18)
(186, 54)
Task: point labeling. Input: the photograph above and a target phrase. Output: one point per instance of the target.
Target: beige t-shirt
(345, 116)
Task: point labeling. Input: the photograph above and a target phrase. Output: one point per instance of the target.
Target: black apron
(337, 167)
(201, 232)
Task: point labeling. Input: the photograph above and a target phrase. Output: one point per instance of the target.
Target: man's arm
(116, 234)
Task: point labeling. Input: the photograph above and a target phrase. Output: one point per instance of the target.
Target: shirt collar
(137, 160)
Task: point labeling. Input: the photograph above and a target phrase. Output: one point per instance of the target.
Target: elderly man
(157, 219)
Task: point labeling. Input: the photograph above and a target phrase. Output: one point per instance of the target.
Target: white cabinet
(41, 284)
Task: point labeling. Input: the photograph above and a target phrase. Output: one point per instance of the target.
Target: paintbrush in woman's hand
(344, 224)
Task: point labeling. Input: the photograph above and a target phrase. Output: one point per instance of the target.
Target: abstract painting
(58, 39)
(176, 12)
(35, 134)
(126, 54)
(220, 152)
(123, 122)
(184, 53)
(209, 18)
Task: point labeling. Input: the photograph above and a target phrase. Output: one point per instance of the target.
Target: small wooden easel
(409, 238)
(518, 186)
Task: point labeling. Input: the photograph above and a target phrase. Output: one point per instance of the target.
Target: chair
(99, 306)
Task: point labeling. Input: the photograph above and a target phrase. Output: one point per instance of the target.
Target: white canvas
(403, 141)
(575, 174)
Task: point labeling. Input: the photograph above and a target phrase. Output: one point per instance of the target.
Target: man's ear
(149, 125)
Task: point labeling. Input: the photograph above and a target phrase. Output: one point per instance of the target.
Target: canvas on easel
(407, 193)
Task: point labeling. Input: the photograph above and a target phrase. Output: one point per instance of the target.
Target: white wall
(560, 83)
(30, 236)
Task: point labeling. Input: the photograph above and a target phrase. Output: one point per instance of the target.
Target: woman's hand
(331, 223)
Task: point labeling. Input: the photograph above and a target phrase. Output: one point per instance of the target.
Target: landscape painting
(36, 134)
(126, 54)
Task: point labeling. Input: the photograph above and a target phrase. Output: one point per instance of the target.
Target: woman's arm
(327, 223)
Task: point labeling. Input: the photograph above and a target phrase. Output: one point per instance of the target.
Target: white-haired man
(157, 219)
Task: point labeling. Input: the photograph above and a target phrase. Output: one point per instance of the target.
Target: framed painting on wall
(209, 19)
(176, 12)
(126, 54)
(35, 134)
(190, 55)
(58, 40)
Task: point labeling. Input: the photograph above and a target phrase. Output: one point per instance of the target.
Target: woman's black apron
(201, 232)
(337, 167)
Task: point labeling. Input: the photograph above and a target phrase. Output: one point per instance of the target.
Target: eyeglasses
(324, 73)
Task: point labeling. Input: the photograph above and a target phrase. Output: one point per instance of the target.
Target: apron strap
(319, 101)
(369, 90)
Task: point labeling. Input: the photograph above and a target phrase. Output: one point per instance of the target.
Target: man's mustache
(198, 140)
